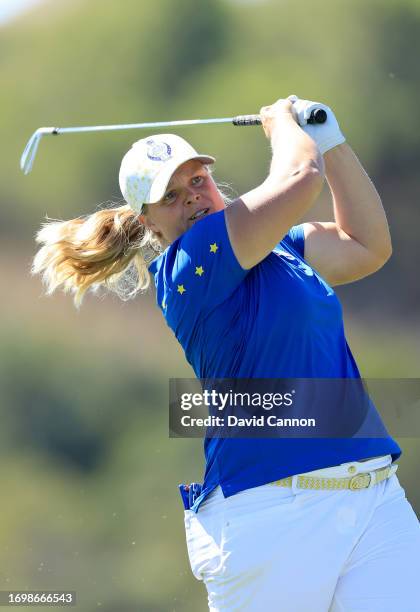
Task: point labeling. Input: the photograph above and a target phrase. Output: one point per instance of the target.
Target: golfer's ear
(147, 222)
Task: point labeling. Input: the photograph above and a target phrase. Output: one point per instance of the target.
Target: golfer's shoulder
(199, 270)
(207, 239)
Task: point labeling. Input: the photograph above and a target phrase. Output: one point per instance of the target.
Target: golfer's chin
(165, 242)
(191, 222)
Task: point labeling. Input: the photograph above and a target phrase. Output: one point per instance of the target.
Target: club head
(28, 155)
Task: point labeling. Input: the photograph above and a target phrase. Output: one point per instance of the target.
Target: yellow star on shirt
(213, 247)
(164, 304)
(181, 289)
(199, 270)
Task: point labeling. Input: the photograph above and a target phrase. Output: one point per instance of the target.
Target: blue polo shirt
(279, 319)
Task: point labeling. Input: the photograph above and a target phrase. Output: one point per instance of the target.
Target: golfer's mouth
(198, 214)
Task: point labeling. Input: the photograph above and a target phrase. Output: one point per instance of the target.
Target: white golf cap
(147, 167)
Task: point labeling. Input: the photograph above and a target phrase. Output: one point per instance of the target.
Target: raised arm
(358, 242)
(259, 219)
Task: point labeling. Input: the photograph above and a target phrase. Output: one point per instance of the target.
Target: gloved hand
(326, 135)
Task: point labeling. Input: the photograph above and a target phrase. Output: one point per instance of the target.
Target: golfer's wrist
(284, 129)
(336, 155)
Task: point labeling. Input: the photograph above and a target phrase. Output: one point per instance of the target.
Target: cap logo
(158, 151)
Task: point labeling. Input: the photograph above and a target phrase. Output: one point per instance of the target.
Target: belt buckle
(359, 481)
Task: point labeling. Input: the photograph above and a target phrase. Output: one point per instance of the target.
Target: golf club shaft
(317, 116)
(144, 126)
(29, 153)
(28, 156)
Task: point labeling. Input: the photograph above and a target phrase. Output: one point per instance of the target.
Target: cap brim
(160, 184)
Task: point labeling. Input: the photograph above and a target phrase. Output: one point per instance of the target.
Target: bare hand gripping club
(318, 115)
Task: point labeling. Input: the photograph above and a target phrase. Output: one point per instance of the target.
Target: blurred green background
(90, 501)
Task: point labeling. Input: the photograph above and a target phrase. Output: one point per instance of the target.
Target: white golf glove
(326, 135)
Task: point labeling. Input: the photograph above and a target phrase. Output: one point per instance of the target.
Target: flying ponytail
(110, 248)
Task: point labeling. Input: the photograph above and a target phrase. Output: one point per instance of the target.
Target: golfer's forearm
(357, 206)
(293, 152)
(295, 179)
(260, 218)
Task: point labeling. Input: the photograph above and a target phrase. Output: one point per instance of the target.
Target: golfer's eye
(197, 180)
(171, 195)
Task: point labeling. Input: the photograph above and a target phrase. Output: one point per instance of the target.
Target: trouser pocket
(203, 545)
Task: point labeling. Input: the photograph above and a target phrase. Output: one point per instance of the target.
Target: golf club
(317, 115)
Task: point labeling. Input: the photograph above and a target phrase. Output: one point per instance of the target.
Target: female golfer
(278, 524)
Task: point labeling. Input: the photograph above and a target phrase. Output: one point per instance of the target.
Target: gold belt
(359, 481)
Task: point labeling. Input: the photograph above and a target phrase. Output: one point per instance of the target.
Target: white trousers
(278, 549)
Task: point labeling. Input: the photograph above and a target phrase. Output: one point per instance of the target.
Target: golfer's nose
(191, 198)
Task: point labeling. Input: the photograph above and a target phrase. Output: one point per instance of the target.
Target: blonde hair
(108, 249)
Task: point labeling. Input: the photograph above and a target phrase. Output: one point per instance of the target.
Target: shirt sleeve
(296, 239)
(197, 273)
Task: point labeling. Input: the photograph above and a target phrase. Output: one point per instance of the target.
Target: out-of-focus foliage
(79, 63)
(89, 472)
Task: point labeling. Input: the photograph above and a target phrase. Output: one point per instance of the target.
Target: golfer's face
(190, 196)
